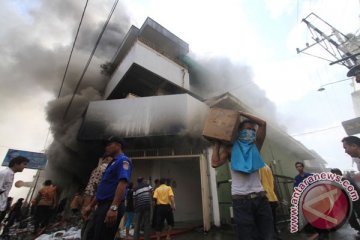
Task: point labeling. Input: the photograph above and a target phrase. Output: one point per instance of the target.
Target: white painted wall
(187, 192)
(356, 102)
(214, 192)
(155, 62)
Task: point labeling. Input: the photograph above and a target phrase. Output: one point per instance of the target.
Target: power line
(72, 49)
(90, 58)
(68, 63)
(316, 131)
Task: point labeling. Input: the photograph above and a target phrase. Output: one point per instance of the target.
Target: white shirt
(357, 161)
(6, 182)
(243, 183)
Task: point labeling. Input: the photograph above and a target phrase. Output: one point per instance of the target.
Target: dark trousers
(153, 222)
(2, 215)
(10, 221)
(142, 216)
(42, 216)
(274, 206)
(87, 229)
(354, 222)
(101, 230)
(164, 212)
(13, 216)
(253, 218)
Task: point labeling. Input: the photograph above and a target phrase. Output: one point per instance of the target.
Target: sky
(261, 34)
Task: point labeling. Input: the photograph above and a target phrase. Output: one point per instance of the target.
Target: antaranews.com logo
(323, 200)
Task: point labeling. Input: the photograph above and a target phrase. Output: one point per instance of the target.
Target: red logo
(325, 206)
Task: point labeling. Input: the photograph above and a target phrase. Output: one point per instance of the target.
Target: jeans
(101, 230)
(142, 216)
(129, 219)
(253, 219)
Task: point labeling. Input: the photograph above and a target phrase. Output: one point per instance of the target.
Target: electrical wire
(90, 58)
(72, 49)
(68, 64)
(316, 56)
(316, 131)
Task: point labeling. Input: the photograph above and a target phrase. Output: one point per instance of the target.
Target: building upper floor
(148, 63)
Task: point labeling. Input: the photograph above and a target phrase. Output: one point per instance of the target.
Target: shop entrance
(187, 175)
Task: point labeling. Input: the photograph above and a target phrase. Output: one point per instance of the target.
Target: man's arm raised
(218, 158)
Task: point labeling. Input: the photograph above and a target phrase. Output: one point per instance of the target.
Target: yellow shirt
(163, 194)
(267, 181)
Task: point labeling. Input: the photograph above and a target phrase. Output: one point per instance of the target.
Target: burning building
(156, 103)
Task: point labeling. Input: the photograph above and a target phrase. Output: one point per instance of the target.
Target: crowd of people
(110, 196)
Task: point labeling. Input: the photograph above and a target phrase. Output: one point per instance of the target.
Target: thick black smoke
(67, 155)
(35, 46)
(34, 49)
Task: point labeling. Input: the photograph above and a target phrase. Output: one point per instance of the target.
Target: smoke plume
(35, 46)
(212, 77)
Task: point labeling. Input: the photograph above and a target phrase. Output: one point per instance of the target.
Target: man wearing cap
(110, 193)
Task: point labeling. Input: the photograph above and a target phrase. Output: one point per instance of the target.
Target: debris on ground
(73, 233)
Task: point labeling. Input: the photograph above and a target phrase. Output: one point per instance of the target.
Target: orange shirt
(47, 196)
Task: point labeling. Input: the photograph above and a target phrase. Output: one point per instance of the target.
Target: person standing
(252, 211)
(165, 202)
(267, 181)
(110, 194)
(16, 165)
(153, 221)
(142, 207)
(87, 230)
(45, 202)
(302, 175)
(129, 210)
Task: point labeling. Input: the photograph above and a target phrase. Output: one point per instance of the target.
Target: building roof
(155, 36)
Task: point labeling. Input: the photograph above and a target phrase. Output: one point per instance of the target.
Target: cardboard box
(222, 125)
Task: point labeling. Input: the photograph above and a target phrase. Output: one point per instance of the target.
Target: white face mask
(247, 135)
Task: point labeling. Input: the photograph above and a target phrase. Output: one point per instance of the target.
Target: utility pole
(342, 49)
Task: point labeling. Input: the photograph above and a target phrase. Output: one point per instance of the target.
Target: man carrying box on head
(252, 212)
